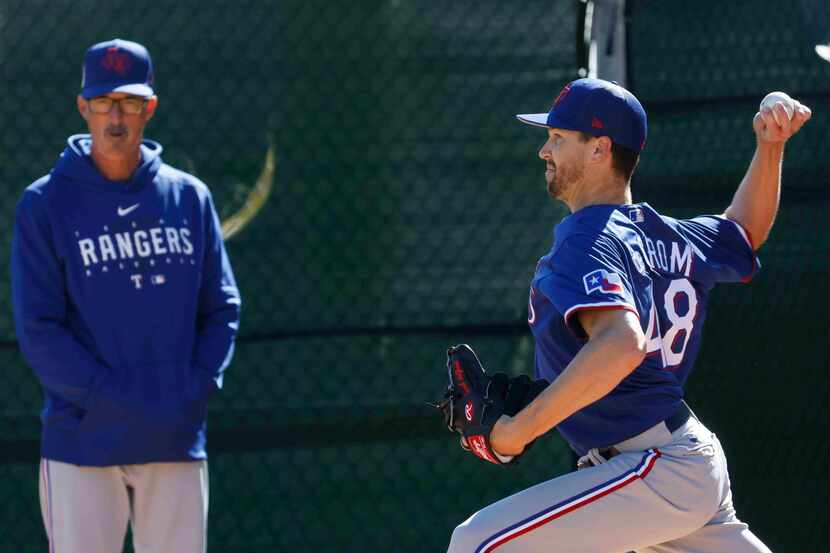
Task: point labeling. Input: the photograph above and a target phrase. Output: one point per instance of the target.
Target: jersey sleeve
(724, 248)
(587, 272)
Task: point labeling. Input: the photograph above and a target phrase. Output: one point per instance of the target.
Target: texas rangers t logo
(602, 280)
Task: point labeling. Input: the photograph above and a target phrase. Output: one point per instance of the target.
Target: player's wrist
(505, 438)
(769, 147)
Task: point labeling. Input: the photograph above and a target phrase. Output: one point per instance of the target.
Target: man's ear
(150, 110)
(601, 149)
(83, 107)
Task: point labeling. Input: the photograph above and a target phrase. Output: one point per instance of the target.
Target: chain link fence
(385, 204)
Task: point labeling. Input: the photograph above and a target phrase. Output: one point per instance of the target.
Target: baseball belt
(598, 456)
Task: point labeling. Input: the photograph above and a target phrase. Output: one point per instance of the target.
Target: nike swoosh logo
(127, 210)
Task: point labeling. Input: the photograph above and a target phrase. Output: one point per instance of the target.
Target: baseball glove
(475, 400)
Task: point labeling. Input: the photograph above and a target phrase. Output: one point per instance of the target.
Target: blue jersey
(660, 268)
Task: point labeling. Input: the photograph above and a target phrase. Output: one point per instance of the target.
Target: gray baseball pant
(87, 509)
(663, 493)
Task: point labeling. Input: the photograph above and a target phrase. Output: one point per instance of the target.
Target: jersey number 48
(672, 343)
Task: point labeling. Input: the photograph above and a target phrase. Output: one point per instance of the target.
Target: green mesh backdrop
(407, 212)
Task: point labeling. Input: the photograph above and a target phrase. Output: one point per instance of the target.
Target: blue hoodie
(125, 306)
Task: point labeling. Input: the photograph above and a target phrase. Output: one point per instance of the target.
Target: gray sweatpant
(87, 509)
(664, 493)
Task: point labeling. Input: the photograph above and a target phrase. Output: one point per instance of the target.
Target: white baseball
(772, 98)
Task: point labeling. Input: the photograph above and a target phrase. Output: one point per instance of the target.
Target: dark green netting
(407, 213)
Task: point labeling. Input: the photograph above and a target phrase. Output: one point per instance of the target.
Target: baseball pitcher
(616, 309)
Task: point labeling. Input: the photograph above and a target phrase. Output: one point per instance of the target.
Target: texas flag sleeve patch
(602, 281)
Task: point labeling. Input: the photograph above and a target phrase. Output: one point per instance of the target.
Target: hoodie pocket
(154, 395)
(63, 414)
(173, 394)
(146, 414)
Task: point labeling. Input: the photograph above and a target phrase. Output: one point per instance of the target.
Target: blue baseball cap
(117, 66)
(597, 107)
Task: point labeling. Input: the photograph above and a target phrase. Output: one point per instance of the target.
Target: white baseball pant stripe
(664, 493)
(87, 509)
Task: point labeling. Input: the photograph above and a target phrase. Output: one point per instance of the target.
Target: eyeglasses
(128, 106)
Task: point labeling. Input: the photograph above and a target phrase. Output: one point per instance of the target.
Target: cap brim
(535, 119)
(547, 120)
(134, 89)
